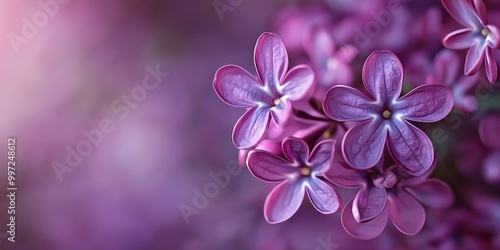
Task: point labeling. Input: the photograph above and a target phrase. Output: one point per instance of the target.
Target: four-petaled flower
(268, 96)
(384, 116)
(478, 36)
(383, 194)
(299, 173)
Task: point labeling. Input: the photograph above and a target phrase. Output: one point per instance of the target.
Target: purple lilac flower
(298, 174)
(384, 116)
(478, 36)
(268, 96)
(490, 136)
(387, 193)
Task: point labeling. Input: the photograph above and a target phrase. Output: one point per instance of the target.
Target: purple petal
(474, 58)
(426, 103)
(463, 12)
(410, 147)
(363, 144)
(298, 83)
(369, 203)
(318, 44)
(491, 66)
(321, 157)
(268, 167)
(383, 76)
(342, 175)
(489, 131)
(283, 201)
(433, 193)
(406, 213)
(282, 112)
(446, 67)
(271, 59)
(493, 38)
(344, 103)
(322, 196)
(460, 39)
(367, 230)
(296, 150)
(236, 87)
(491, 167)
(480, 10)
(250, 128)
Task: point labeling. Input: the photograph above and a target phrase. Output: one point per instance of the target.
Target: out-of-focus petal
(364, 143)
(271, 59)
(480, 10)
(250, 128)
(298, 83)
(410, 147)
(364, 231)
(296, 150)
(322, 196)
(426, 103)
(283, 201)
(322, 156)
(342, 175)
(406, 213)
(491, 167)
(236, 87)
(432, 193)
(489, 131)
(460, 39)
(344, 103)
(474, 58)
(318, 43)
(491, 66)
(383, 76)
(463, 12)
(268, 167)
(493, 38)
(369, 202)
(446, 67)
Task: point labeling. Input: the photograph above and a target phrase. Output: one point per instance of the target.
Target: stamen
(387, 114)
(485, 32)
(277, 102)
(305, 171)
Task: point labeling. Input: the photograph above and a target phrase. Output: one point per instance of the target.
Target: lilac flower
(446, 67)
(268, 96)
(298, 174)
(384, 194)
(384, 116)
(490, 136)
(478, 36)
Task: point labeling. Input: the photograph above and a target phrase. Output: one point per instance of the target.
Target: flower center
(386, 114)
(305, 171)
(485, 32)
(277, 102)
(387, 180)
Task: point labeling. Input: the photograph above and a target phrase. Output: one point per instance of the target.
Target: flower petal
(480, 10)
(298, 83)
(493, 38)
(488, 131)
(282, 112)
(369, 202)
(425, 103)
(491, 66)
(344, 103)
(322, 196)
(271, 59)
(474, 58)
(460, 39)
(283, 201)
(344, 176)
(491, 167)
(367, 230)
(250, 128)
(318, 44)
(410, 147)
(433, 193)
(236, 87)
(406, 213)
(446, 67)
(383, 76)
(364, 143)
(463, 12)
(321, 157)
(268, 167)
(296, 150)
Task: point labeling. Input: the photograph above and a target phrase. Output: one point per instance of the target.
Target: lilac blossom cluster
(353, 117)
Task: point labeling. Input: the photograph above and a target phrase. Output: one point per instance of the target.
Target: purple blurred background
(65, 74)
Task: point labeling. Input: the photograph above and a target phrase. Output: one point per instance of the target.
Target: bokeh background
(126, 194)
